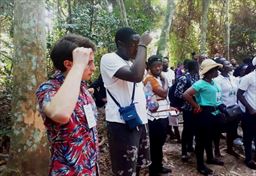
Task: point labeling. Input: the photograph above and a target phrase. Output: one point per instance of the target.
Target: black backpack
(176, 101)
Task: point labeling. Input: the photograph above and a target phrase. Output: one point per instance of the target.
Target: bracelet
(142, 46)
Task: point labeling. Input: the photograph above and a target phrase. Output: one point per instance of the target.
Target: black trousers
(188, 132)
(249, 134)
(204, 132)
(157, 136)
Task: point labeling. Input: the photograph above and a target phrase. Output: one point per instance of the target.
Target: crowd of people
(143, 97)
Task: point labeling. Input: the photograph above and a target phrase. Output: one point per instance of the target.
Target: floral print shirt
(73, 145)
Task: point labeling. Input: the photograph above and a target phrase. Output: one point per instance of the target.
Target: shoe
(251, 164)
(238, 141)
(204, 170)
(165, 170)
(215, 162)
(233, 153)
(185, 158)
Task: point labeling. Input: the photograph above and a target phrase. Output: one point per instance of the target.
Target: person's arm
(188, 96)
(135, 73)
(241, 98)
(63, 103)
(162, 91)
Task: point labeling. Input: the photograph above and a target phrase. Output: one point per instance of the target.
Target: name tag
(89, 115)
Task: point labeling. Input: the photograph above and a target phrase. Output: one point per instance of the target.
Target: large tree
(29, 151)
(203, 25)
(162, 45)
(227, 29)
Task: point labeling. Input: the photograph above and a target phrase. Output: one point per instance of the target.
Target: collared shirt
(73, 145)
(228, 89)
(182, 87)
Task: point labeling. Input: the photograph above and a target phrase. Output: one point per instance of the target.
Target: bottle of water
(152, 104)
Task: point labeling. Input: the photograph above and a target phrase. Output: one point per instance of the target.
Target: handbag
(233, 112)
(128, 113)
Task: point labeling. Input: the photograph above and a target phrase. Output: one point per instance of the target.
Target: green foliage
(243, 31)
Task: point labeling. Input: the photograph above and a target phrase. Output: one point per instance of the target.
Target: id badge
(89, 115)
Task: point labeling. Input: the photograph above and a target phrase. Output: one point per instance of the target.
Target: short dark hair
(63, 49)
(192, 65)
(124, 35)
(154, 58)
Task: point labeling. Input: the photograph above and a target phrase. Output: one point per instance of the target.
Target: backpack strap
(132, 98)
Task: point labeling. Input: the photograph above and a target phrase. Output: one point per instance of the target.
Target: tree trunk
(29, 151)
(162, 45)
(203, 25)
(69, 19)
(227, 29)
(123, 12)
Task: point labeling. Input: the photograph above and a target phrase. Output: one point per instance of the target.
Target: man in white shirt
(167, 72)
(120, 70)
(247, 96)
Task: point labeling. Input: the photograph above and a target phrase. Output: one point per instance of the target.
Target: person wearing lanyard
(229, 86)
(68, 109)
(206, 107)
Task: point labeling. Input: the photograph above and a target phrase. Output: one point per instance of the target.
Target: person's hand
(197, 110)
(91, 90)
(145, 39)
(175, 109)
(81, 56)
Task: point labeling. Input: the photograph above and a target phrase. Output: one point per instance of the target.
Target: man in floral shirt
(68, 110)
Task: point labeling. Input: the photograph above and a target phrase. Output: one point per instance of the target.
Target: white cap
(254, 61)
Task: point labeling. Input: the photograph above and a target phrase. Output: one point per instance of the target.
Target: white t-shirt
(229, 88)
(248, 84)
(170, 76)
(121, 90)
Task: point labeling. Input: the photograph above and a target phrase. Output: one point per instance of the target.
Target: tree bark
(227, 29)
(162, 45)
(29, 152)
(69, 19)
(203, 25)
(123, 12)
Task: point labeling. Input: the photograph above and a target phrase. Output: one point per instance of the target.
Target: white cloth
(170, 76)
(248, 84)
(120, 89)
(229, 89)
(164, 106)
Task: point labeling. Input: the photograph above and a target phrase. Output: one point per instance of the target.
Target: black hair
(63, 49)
(220, 60)
(154, 58)
(191, 65)
(237, 71)
(185, 62)
(124, 35)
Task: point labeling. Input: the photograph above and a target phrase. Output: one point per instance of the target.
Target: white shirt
(248, 84)
(120, 89)
(229, 89)
(170, 76)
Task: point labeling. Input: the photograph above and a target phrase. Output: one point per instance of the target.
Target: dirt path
(172, 154)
